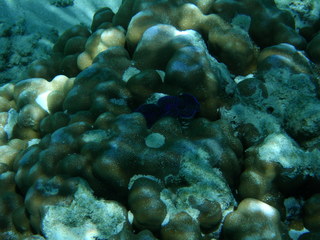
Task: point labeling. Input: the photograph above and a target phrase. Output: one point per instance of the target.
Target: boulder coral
(63, 59)
(263, 222)
(269, 25)
(236, 137)
(239, 54)
(277, 168)
(100, 40)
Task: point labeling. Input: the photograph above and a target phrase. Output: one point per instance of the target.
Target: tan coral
(145, 203)
(258, 220)
(98, 42)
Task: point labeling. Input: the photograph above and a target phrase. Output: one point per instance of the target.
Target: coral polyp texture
(169, 120)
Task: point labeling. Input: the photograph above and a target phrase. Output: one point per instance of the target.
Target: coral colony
(92, 147)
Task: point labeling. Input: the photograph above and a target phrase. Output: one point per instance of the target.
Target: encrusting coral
(137, 128)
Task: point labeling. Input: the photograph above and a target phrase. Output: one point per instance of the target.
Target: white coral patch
(42, 101)
(155, 140)
(11, 122)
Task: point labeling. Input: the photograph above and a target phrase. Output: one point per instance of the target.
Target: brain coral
(149, 134)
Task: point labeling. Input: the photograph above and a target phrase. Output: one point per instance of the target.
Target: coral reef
(168, 120)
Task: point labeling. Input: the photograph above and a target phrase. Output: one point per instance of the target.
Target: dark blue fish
(184, 106)
(151, 112)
